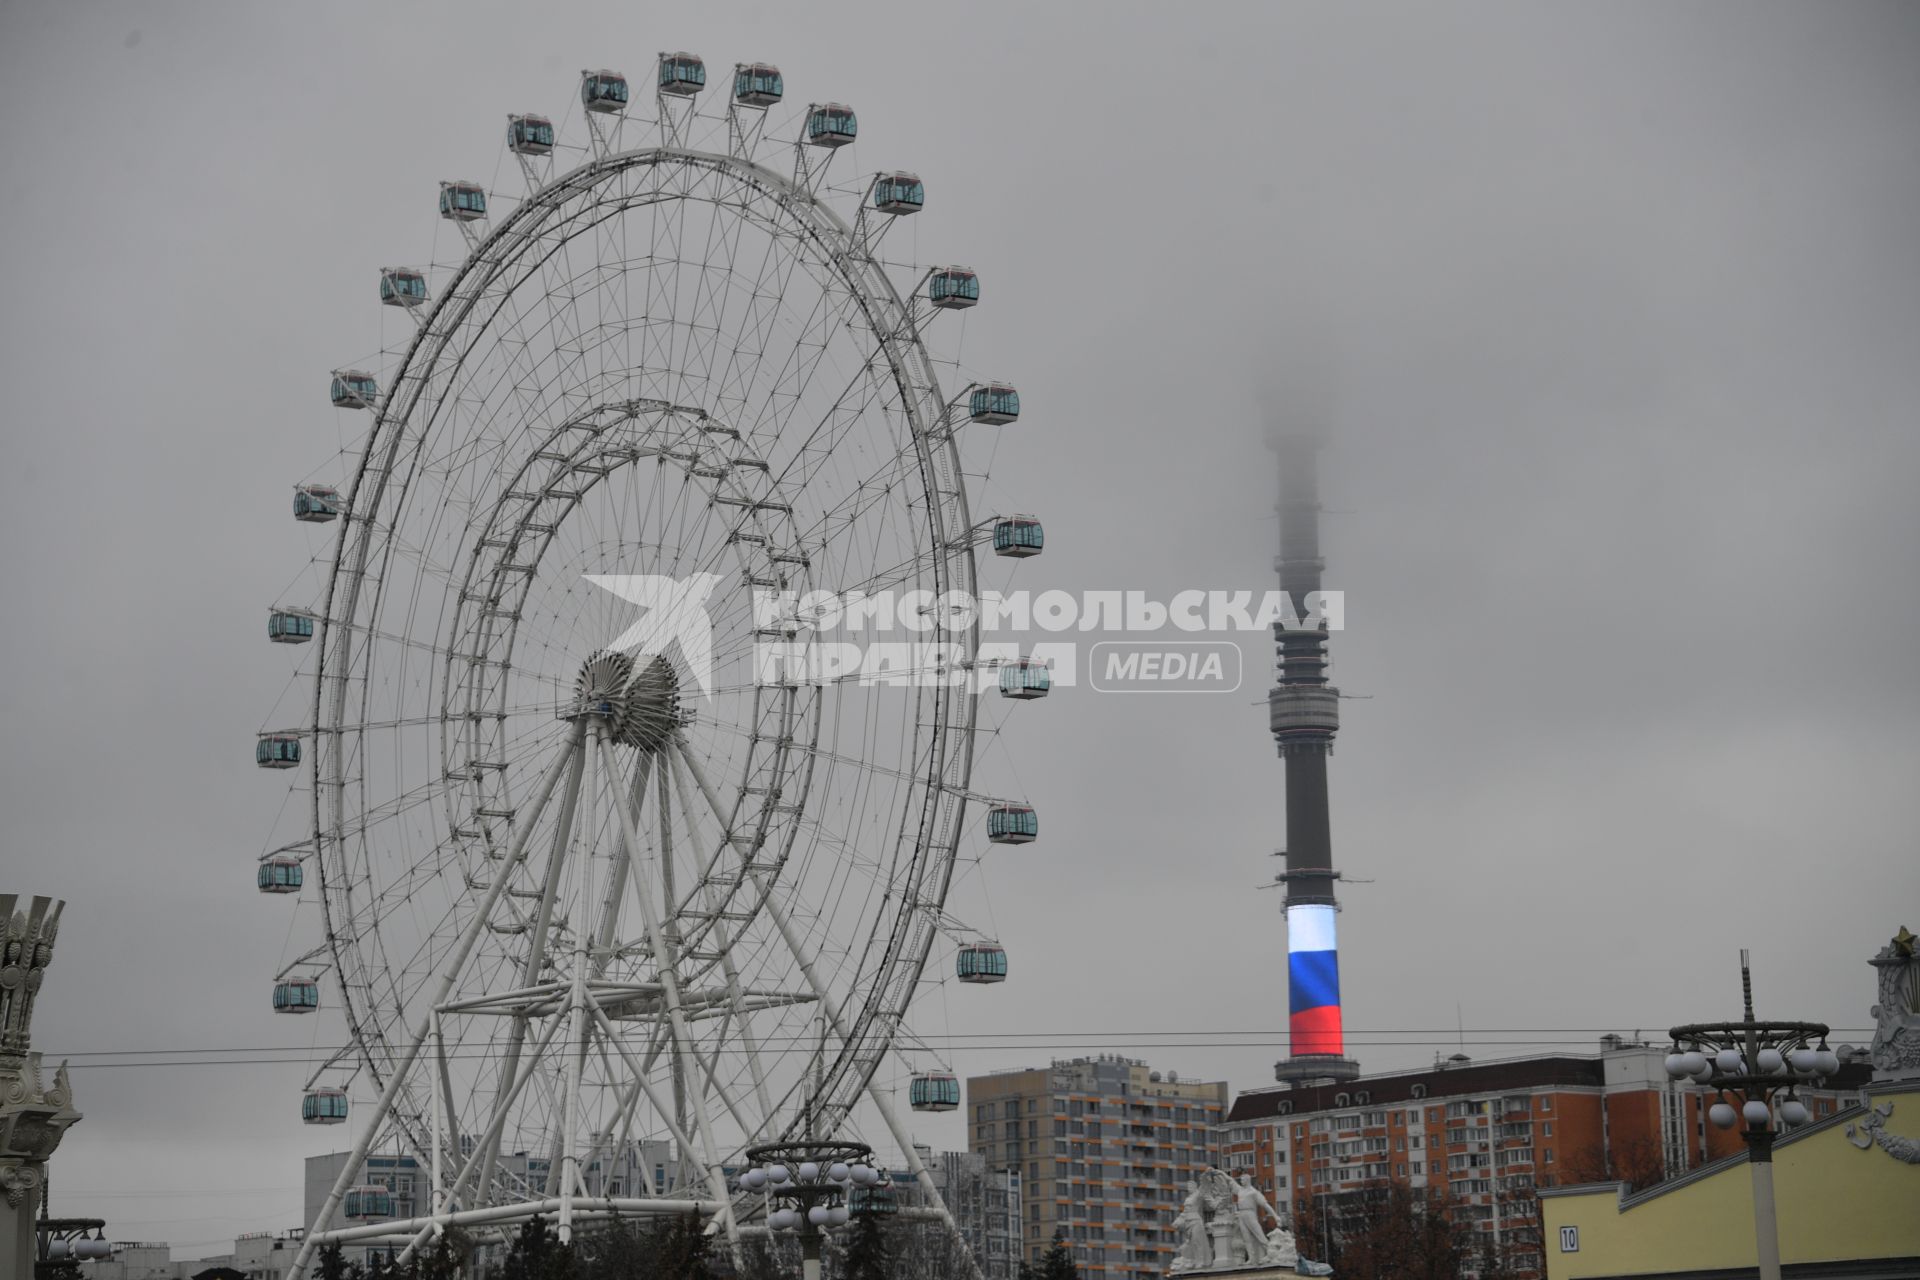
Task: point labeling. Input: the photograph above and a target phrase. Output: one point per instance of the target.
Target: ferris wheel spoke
(821, 753)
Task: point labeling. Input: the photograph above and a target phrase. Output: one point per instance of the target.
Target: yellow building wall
(1834, 1202)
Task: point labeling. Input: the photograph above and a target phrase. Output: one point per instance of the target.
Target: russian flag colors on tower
(1313, 980)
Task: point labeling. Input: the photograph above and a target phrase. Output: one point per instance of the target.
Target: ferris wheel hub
(640, 703)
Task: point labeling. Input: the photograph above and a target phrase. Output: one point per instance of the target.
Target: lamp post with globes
(1751, 1064)
(807, 1185)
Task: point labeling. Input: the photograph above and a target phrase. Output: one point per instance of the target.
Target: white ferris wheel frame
(482, 808)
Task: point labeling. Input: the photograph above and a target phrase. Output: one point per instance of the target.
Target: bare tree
(1638, 1161)
(1402, 1234)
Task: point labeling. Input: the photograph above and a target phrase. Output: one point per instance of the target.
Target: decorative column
(33, 1115)
(1896, 1014)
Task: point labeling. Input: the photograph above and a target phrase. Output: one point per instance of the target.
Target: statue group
(1222, 1228)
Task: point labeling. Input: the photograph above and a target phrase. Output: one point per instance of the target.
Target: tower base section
(1304, 1070)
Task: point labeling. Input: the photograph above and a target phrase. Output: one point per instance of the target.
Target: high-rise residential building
(984, 1200)
(1106, 1148)
(1486, 1133)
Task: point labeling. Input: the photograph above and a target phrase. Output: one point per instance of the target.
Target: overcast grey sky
(1613, 313)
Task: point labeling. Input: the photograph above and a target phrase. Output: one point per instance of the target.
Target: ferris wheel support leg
(831, 1007)
(543, 922)
(569, 1162)
(716, 1181)
(434, 1201)
(672, 936)
(670, 984)
(609, 1145)
(724, 937)
(494, 1126)
(708, 1066)
(617, 884)
(448, 977)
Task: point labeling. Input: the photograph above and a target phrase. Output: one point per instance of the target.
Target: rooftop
(1496, 1075)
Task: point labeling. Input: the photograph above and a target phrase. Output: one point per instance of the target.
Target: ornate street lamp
(1749, 1064)
(808, 1186)
(64, 1244)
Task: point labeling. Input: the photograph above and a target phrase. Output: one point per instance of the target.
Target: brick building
(1487, 1133)
(1106, 1148)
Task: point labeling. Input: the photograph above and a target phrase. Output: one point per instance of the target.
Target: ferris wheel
(607, 898)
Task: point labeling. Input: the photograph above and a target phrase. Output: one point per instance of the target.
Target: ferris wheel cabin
(315, 503)
(875, 1200)
(463, 201)
(981, 962)
(993, 404)
(289, 626)
(296, 995)
(402, 286)
(280, 874)
(1025, 679)
(353, 389)
(831, 124)
(757, 84)
(277, 750)
(1012, 824)
(603, 91)
(323, 1106)
(529, 135)
(682, 74)
(953, 288)
(934, 1091)
(899, 193)
(1018, 536)
(369, 1203)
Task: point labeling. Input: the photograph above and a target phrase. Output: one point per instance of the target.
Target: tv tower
(1303, 711)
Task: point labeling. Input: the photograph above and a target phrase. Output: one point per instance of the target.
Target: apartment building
(1488, 1133)
(1106, 1148)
